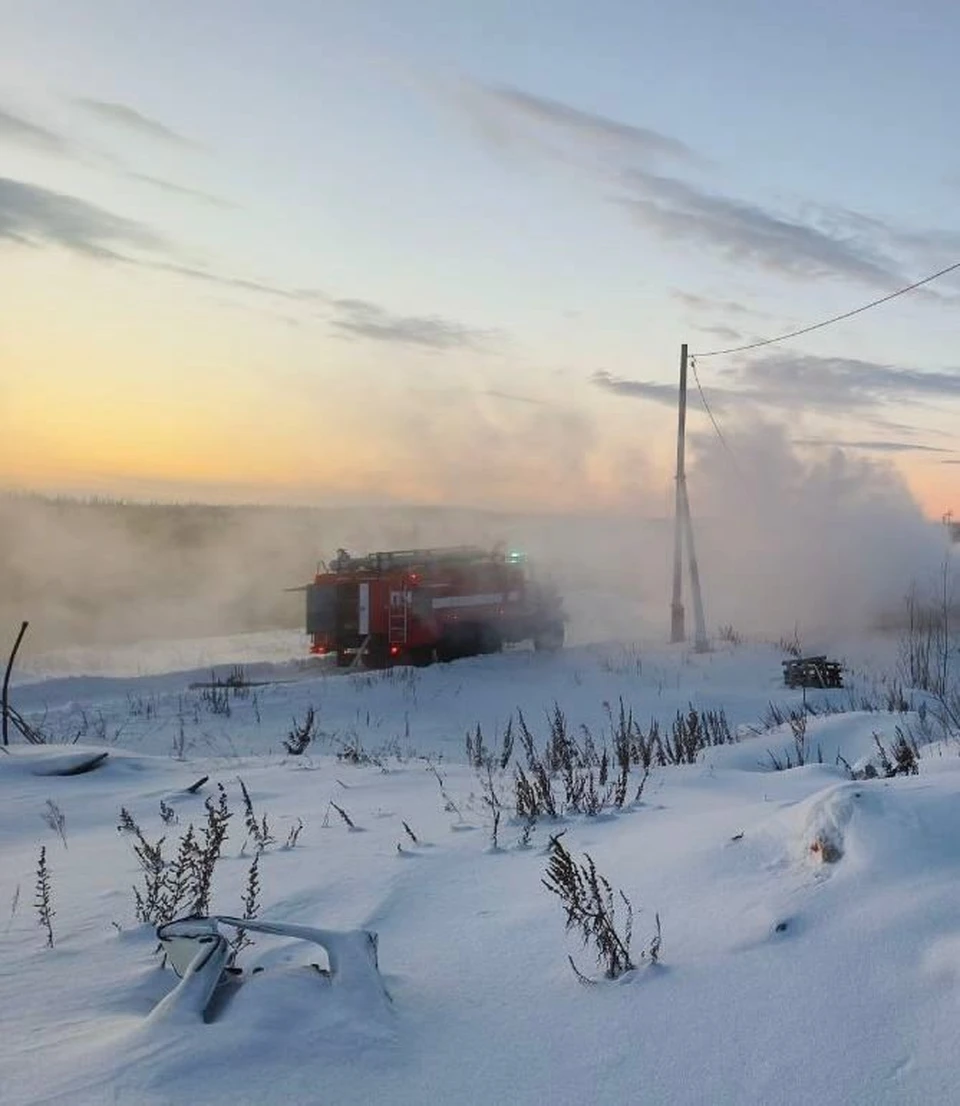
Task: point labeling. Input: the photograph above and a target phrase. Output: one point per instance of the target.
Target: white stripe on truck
(489, 600)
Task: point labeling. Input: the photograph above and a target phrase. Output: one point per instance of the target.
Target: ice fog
(828, 541)
(785, 539)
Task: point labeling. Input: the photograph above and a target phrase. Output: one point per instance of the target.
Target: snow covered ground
(782, 978)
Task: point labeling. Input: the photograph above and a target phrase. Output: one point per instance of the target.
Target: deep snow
(782, 979)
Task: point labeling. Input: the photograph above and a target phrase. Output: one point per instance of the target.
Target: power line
(748, 481)
(834, 318)
(709, 410)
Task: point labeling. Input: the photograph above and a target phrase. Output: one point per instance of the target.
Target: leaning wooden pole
(676, 605)
(699, 622)
(6, 684)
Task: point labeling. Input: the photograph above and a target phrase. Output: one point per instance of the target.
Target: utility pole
(676, 606)
(683, 528)
(701, 645)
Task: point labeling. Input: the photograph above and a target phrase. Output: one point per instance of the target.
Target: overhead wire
(834, 318)
(747, 479)
(709, 410)
(796, 334)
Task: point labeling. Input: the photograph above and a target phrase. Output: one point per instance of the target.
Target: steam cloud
(831, 544)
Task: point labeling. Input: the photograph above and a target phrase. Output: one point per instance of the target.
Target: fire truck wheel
(377, 654)
(374, 659)
(549, 638)
(448, 649)
(421, 655)
(490, 640)
(344, 659)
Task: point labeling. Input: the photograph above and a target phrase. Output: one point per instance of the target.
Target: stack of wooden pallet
(812, 672)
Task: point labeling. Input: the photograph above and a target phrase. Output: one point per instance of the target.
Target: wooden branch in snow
(6, 684)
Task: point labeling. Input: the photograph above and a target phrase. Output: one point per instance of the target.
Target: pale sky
(446, 251)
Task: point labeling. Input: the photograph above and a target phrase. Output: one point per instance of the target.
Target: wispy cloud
(892, 427)
(708, 303)
(665, 394)
(838, 383)
(179, 190)
(461, 392)
(361, 319)
(32, 215)
(124, 116)
(14, 128)
(39, 216)
(939, 242)
(829, 385)
(511, 397)
(879, 446)
(294, 295)
(726, 333)
(519, 109)
(739, 231)
(809, 241)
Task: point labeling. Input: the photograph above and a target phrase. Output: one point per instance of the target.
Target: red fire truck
(416, 606)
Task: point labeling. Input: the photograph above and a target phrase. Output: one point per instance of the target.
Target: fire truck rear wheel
(549, 639)
(490, 640)
(453, 647)
(344, 659)
(377, 654)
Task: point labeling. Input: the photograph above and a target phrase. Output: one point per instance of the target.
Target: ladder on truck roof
(399, 560)
(398, 616)
(408, 558)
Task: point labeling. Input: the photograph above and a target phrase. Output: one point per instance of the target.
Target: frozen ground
(782, 979)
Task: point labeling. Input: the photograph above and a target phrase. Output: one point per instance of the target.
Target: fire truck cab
(417, 606)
